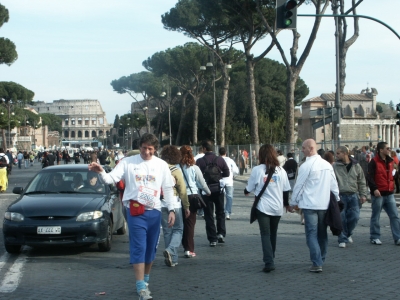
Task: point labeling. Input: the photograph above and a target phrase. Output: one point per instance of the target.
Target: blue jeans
(350, 216)
(172, 235)
(26, 161)
(19, 163)
(388, 203)
(268, 231)
(316, 235)
(228, 191)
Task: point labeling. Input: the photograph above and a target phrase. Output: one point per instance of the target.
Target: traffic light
(398, 113)
(286, 14)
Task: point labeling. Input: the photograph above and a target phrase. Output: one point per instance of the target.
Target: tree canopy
(53, 122)
(8, 52)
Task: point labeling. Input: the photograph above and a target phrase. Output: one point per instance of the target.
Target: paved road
(228, 271)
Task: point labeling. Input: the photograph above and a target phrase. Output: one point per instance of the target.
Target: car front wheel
(106, 245)
(14, 249)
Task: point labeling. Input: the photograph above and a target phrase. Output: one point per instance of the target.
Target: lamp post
(210, 64)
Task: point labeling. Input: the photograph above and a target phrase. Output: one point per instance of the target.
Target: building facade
(82, 120)
(359, 121)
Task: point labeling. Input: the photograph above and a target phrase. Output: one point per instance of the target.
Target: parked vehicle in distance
(64, 205)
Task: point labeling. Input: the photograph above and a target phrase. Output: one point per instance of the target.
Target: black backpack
(212, 173)
(3, 161)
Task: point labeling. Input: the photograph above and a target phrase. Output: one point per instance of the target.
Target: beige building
(82, 120)
(359, 122)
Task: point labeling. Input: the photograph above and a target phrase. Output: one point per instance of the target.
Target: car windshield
(82, 182)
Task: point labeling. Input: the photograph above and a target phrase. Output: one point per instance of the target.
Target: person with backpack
(214, 168)
(4, 162)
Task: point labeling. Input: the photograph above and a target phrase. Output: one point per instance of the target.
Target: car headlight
(12, 216)
(93, 215)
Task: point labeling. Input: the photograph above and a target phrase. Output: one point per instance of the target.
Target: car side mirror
(18, 190)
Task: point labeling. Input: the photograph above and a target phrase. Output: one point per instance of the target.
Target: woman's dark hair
(187, 156)
(267, 155)
(171, 154)
(328, 156)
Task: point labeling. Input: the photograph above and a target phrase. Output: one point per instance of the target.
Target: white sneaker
(228, 217)
(376, 242)
(342, 245)
(350, 239)
(145, 295)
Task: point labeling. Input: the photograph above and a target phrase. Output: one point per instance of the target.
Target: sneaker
(397, 242)
(189, 254)
(376, 241)
(342, 245)
(268, 269)
(350, 239)
(316, 269)
(213, 244)
(220, 238)
(228, 217)
(174, 264)
(168, 259)
(145, 295)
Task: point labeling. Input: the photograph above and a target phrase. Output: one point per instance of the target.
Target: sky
(73, 49)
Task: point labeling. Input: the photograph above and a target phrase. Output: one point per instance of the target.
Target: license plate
(49, 230)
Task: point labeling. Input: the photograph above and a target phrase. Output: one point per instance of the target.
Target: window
(86, 134)
(66, 122)
(72, 134)
(79, 134)
(79, 121)
(94, 134)
(66, 133)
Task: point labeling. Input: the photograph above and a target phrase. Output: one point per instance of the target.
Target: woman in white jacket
(270, 206)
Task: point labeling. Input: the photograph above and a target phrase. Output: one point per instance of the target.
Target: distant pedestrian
(314, 184)
(381, 186)
(353, 191)
(228, 182)
(20, 157)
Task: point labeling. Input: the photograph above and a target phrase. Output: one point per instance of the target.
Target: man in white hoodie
(315, 180)
(228, 182)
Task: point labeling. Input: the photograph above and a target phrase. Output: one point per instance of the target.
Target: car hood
(58, 204)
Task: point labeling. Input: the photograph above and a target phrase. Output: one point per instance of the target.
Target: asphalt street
(229, 271)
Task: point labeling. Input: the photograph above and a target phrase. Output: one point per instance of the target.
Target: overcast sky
(73, 49)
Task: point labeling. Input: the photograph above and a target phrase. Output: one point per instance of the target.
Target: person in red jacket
(381, 185)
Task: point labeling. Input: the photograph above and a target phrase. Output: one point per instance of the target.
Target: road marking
(13, 276)
(3, 260)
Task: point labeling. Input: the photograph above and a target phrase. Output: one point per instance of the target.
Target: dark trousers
(188, 231)
(216, 200)
(268, 231)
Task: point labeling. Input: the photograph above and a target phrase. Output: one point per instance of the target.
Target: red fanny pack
(136, 208)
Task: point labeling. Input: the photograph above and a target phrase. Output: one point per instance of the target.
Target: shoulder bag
(253, 212)
(195, 200)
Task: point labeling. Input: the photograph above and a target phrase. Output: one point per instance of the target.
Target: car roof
(67, 167)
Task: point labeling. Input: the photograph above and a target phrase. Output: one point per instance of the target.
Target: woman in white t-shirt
(270, 206)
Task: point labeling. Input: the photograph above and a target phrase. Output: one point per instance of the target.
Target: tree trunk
(181, 121)
(252, 99)
(290, 87)
(224, 102)
(195, 118)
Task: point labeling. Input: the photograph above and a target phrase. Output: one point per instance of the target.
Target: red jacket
(380, 175)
